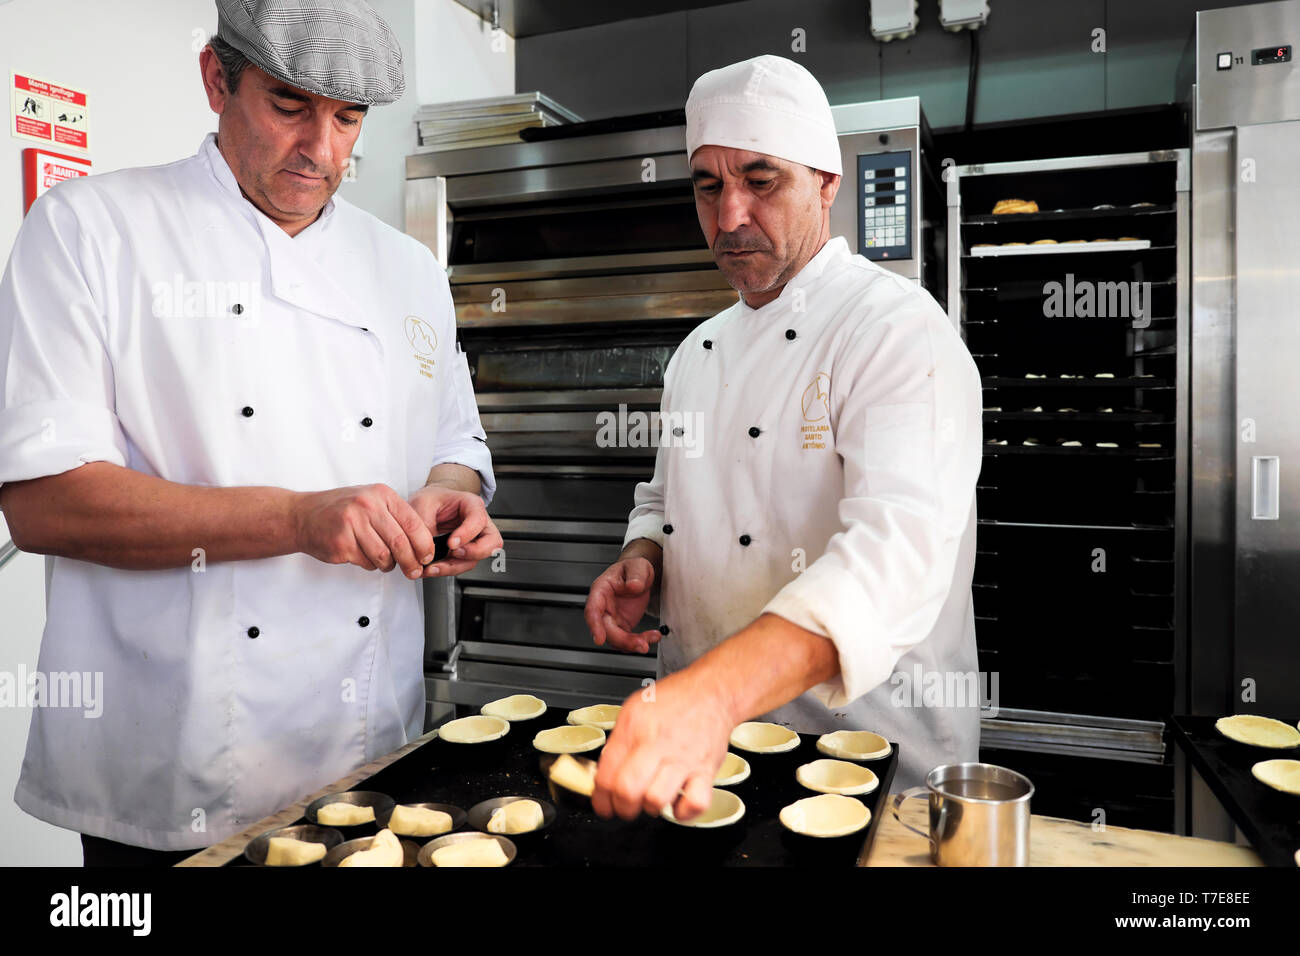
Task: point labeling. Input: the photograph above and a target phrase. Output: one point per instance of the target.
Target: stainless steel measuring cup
(979, 815)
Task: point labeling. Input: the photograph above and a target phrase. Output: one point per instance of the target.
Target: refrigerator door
(1268, 427)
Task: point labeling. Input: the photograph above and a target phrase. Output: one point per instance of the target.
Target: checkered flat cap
(341, 49)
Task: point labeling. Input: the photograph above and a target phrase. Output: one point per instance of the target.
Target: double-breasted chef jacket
(156, 319)
(830, 480)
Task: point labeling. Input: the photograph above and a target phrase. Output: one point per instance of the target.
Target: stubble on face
(778, 219)
(264, 148)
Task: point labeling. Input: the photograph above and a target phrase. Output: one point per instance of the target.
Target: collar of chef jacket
(297, 276)
(795, 299)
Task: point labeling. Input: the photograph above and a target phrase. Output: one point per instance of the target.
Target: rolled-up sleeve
(461, 439)
(57, 407)
(909, 433)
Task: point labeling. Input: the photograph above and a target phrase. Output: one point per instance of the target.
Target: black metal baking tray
(446, 773)
(1269, 818)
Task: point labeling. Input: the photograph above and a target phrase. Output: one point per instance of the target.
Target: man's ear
(214, 80)
(830, 185)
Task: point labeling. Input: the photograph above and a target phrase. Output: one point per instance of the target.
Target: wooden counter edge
(1054, 841)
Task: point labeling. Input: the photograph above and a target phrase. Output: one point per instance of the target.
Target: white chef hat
(768, 105)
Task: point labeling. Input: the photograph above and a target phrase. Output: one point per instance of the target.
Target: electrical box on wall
(957, 15)
(893, 19)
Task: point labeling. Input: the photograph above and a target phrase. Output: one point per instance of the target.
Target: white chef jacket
(826, 473)
(156, 319)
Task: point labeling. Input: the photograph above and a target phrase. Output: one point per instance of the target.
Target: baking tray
(1269, 818)
(1060, 248)
(451, 773)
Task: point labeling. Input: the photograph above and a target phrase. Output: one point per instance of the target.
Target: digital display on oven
(884, 205)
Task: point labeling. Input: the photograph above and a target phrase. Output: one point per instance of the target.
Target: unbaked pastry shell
(763, 738)
(515, 707)
(837, 776)
(474, 730)
(853, 745)
(603, 716)
(1257, 731)
(1281, 775)
(572, 739)
(825, 816)
(734, 770)
(724, 809)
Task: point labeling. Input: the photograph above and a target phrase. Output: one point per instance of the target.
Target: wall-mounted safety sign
(43, 169)
(48, 113)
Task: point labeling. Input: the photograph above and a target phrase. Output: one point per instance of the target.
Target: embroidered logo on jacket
(425, 342)
(816, 406)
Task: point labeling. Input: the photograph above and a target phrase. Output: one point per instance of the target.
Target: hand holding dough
(344, 815)
(286, 851)
(385, 850)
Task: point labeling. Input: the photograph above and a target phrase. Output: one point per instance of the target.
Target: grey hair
(233, 63)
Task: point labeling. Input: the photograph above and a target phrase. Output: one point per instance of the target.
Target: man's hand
(462, 513)
(665, 750)
(370, 526)
(617, 601)
(673, 735)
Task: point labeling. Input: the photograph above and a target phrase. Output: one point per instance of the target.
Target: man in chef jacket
(233, 410)
(819, 536)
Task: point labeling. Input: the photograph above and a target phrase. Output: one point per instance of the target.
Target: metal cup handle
(907, 795)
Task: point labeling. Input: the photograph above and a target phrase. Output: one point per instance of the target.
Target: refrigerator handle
(1264, 485)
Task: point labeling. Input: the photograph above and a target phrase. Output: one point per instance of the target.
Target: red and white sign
(48, 113)
(43, 169)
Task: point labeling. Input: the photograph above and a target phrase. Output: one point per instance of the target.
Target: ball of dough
(484, 852)
(344, 815)
(385, 850)
(574, 773)
(419, 821)
(286, 851)
(520, 816)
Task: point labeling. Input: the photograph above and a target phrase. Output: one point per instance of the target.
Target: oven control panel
(885, 198)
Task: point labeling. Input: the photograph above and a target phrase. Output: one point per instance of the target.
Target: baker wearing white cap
(233, 411)
(819, 538)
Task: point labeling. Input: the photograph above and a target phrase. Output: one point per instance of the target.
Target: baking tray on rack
(441, 772)
(1269, 818)
(1060, 248)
